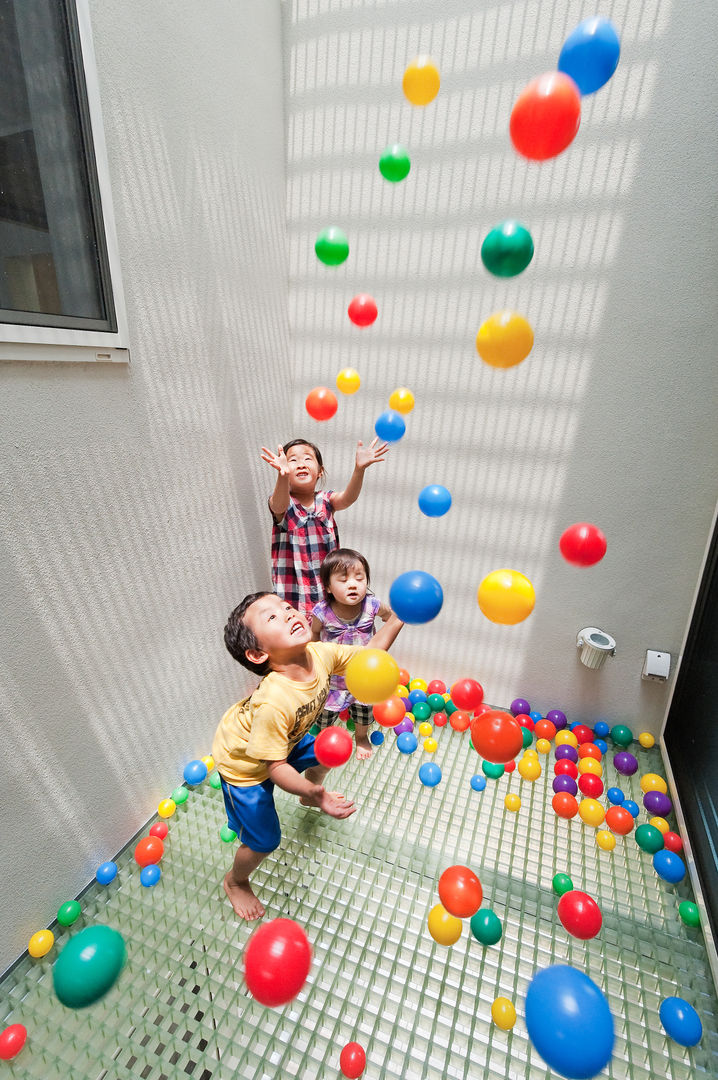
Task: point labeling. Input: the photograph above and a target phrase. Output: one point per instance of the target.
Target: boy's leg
(237, 886)
(252, 815)
(362, 717)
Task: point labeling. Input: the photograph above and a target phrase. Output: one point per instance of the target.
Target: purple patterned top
(357, 632)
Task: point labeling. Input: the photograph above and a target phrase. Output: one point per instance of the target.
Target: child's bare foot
(246, 905)
(364, 748)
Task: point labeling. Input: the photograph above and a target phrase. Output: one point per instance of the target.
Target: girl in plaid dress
(304, 530)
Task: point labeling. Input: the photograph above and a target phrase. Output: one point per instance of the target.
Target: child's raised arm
(387, 634)
(279, 499)
(365, 456)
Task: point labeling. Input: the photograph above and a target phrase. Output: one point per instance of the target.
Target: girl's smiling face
(348, 585)
(304, 469)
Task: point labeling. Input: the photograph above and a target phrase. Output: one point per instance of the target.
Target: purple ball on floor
(557, 718)
(520, 705)
(404, 725)
(657, 803)
(625, 763)
(567, 753)
(565, 783)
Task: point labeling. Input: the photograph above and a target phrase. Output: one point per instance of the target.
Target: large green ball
(507, 250)
(486, 926)
(88, 966)
(649, 838)
(621, 735)
(331, 246)
(394, 163)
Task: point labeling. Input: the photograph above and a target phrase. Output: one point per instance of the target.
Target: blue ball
(535, 716)
(680, 1021)
(478, 783)
(569, 1022)
(417, 695)
(616, 796)
(376, 738)
(669, 866)
(416, 597)
(150, 875)
(407, 742)
(194, 772)
(430, 774)
(434, 500)
(106, 873)
(601, 728)
(390, 426)
(632, 807)
(601, 744)
(590, 54)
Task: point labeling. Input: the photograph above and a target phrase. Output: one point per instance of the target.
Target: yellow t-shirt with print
(268, 724)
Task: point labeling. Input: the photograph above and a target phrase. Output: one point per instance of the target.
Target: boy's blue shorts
(250, 810)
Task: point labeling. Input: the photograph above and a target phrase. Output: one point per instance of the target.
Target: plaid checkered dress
(300, 541)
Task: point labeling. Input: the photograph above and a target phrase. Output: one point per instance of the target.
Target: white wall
(612, 417)
(132, 499)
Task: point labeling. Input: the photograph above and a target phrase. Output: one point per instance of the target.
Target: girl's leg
(362, 716)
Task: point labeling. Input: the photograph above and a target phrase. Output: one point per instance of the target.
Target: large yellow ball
(401, 400)
(371, 676)
(40, 943)
(421, 81)
(503, 1013)
(591, 811)
(348, 381)
(504, 340)
(506, 596)
(651, 781)
(443, 927)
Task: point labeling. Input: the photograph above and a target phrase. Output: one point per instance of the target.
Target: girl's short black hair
(238, 637)
(341, 559)
(305, 442)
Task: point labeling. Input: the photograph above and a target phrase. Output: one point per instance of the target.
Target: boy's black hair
(238, 637)
(305, 442)
(341, 559)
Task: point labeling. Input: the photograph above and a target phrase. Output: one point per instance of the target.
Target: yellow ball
(443, 927)
(512, 802)
(209, 762)
(605, 840)
(503, 1013)
(529, 768)
(646, 740)
(504, 340)
(590, 765)
(651, 781)
(167, 808)
(417, 684)
(660, 823)
(565, 738)
(371, 676)
(430, 745)
(591, 811)
(40, 943)
(401, 691)
(506, 596)
(401, 400)
(348, 381)
(425, 728)
(529, 752)
(543, 746)
(421, 81)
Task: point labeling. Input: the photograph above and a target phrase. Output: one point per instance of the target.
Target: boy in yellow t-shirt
(263, 740)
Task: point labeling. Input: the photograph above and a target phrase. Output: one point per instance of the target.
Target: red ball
(439, 719)
(496, 736)
(333, 746)
(545, 730)
(321, 403)
(482, 709)
(277, 961)
(460, 891)
(149, 850)
(467, 694)
(459, 720)
(580, 914)
(389, 713)
(436, 686)
(510, 766)
(620, 820)
(591, 785)
(525, 720)
(582, 733)
(673, 842)
(564, 804)
(582, 544)
(12, 1040)
(566, 767)
(589, 749)
(546, 116)
(362, 310)
(160, 828)
(352, 1060)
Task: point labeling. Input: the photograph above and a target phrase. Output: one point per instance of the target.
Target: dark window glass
(53, 261)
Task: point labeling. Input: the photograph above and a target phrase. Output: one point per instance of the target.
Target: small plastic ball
(546, 116)
(352, 1060)
(331, 246)
(656, 802)
(362, 310)
(582, 544)
(460, 891)
(646, 740)
(421, 81)
(615, 795)
(492, 769)
(660, 823)
(478, 783)
(590, 765)
(564, 804)
(486, 926)
(425, 728)
(632, 807)
(277, 961)
(88, 966)
(689, 913)
(215, 781)
(321, 403)
(619, 820)
(566, 738)
(227, 835)
(512, 802)
(543, 746)
(459, 720)
(348, 381)
(591, 811)
(436, 702)
(161, 828)
(106, 873)
(520, 705)
(12, 1040)
(503, 1013)
(580, 915)
(390, 712)
(148, 850)
(407, 742)
(589, 749)
(416, 597)
(509, 766)
(418, 684)
(590, 785)
(601, 729)
(68, 913)
(440, 719)
(179, 796)
(590, 53)
(150, 875)
(443, 927)
(605, 840)
(394, 163)
(421, 710)
(371, 675)
(561, 884)
(401, 400)
(431, 746)
(565, 752)
(569, 1022)
(625, 763)
(430, 774)
(507, 250)
(653, 782)
(166, 808)
(506, 597)
(496, 736)
(434, 500)
(583, 733)
(390, 426)
(40, 943)
(621, 735)
(536, 716)
(669, 866)
(209, 762)
(376, 738)
(565, 783)
(529, 769)
(680, 1021)
(527, 738)
(673, 842)
(557, 718)
(333, 746)
(405, 725)
(601, 745)
(504, 340)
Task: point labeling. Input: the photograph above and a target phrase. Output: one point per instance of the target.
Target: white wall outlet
(656, 666)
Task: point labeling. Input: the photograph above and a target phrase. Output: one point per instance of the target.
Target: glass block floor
(362, 889)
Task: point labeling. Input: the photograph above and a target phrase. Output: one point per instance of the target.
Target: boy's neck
(298, 668)
(346, 612)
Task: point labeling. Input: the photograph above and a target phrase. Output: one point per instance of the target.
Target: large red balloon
(321, 403)
(149, 850)
(460, 891)
(467, 694)
(277, 961)
(546, 116)
(580, 914)
(582, 544)
(496, 736)
(389, 713)
(362, 310)
(352, 1060)
(333, 746)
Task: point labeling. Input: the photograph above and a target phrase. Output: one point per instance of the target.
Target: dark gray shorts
(358, 712)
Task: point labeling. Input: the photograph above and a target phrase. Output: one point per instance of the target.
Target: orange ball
(544, 729)
(149, 850)
(619, 820)
(564, 804)
(589, 749)
(496, 736)
(389, 713)
(321, 403)
(460, 891)
(459, 721)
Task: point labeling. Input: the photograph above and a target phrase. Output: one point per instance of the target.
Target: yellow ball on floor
(591, 811)
(646, 740)
(503, 1013)
(543, 746)
(565, 738)
(605, 840)
(40, 943)
(443, 927)
(167, 808)
(431, 746)
(425, 728)
(417, 684)
(660, 823)
(529, 768)
(512, 802)
(590, 765)
(651, 781)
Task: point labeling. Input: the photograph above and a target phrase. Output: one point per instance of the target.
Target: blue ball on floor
(680, 1021)
(407, 742)
(106, 873)
(669, 866)
(430, 774)
(632, 807)
(616, 796)
(478, 783)
(150, 875)
(194, 772)
(376, 738)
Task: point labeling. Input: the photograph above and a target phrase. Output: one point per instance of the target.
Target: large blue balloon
(416, 597)
(434, 500)
(569, 1022)
(590, 54)
(390, 426)
(680, 1021)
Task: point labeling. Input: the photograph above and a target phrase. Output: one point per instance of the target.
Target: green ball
(561, 884)
(492, 769)
(507, 250)
(689, 912)
(68, 913)
(215, 780)
(649, 838)
(227, 834)
(527, 737)
(180, 795)
(449, 707)
(332, 247)
(351, 726)
(394, 163)
(486, 926)
(436, 702)
(88, 966)
(621, 735)
(421, 710)
(314, 729)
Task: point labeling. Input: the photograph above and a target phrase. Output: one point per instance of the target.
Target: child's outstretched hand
(334, 804)
(367, 455)
(278, 461)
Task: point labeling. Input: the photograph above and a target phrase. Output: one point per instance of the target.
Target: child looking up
(264, 740)
(346, 615)
(304, 530)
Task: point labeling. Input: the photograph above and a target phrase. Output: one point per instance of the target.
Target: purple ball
(565, 783)
(520, 705)
(569, 753)
(407, 703)
(404, 725)
(657, 803)
(625, 763)
(557, 718)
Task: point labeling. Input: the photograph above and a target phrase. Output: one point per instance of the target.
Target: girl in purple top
(346, 615)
